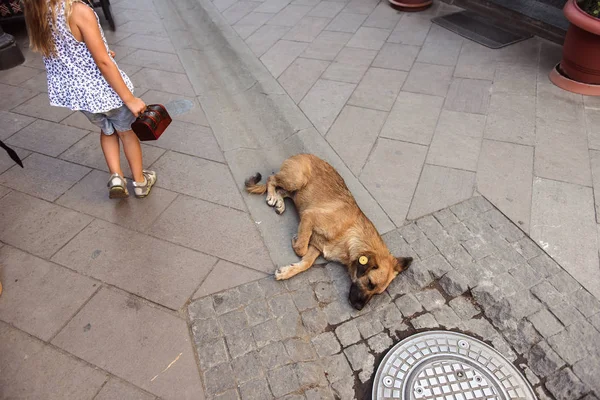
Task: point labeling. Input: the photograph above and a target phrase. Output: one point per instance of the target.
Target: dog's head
(371, 274)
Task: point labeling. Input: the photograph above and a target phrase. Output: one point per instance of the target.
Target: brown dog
(332, 224)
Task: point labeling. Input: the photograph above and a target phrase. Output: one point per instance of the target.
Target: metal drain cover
(440, 365)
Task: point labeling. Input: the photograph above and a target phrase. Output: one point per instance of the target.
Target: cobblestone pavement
(475, 272)
(377, 83)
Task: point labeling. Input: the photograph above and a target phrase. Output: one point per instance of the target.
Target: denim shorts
(119, 119)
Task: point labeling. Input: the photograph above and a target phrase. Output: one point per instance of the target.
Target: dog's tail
(252, 185)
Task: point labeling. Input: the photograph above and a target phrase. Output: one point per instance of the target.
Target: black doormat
(479, 29)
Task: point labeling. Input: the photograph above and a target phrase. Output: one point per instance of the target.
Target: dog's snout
(357, 298)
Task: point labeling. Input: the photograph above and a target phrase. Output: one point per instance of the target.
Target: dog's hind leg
(302, 239)
(307, 261)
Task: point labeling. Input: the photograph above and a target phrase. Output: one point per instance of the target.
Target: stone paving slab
(32, 370)
(115, 327)
(299, 337)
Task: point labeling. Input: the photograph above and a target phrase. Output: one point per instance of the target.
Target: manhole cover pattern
(442, 365)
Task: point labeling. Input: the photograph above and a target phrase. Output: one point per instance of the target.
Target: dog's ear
(403, 263)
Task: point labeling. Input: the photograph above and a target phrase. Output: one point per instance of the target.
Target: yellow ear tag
(363, 260)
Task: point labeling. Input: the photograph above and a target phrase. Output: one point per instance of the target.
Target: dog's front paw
(271, 200)
(283, 273)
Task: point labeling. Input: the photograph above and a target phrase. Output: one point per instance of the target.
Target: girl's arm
(84, 18)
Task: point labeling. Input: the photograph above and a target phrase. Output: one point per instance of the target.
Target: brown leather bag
(152, 123)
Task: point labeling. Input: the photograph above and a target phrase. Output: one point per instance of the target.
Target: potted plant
(579, 69)
(410, 5)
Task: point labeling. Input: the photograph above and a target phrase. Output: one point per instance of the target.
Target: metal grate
(441, 365)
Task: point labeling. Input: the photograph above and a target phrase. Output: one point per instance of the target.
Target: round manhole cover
(440, 365)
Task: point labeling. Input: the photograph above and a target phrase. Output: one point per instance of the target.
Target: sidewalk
(416, 119)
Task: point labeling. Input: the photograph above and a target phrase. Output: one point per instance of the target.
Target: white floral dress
(74, 80)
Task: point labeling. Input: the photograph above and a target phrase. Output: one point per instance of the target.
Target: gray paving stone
(290, 15)
(446, 317)
(393, 184)
(565, 385)
(148, 42)
(543, 360)
(155, 60)
(136, 263)
(511, 119)
(502, 163)
(34, 137)
(526, 275)
(231, 394)
(266, 333)
(271, 287)
(348, 333)
(324, 101)
(380, 343)
(322, 393)
(325, 292)
(191, 139)
(136, 332)
(587, 304)
(177, 224)
(411, 29)
(43, 176)
(424, 248)
(431, 80)
(290, 326)
(310, 374)
(408, 120)
(409, 305)
(545, 323)
(346, 22)
(257, 312)
(214, 381)
(199, 178)
(12, 96)
(250, 23)
(212, 353)
(573, 343)
(446, 218)
(360, 358)
(440, 53)
(206, 330)
(381, 17)
(378, 89)
(562, 140)
(326, 344)
(350, 65)
(460, 232)
(516, 79)
(343, 389)
(300, 76)
(58, 293)
(225, 275)
(227, 301)
(17, 75)
(480, 328)
(274, 355)
(118, 389)
(464, 307)
(241, 343)
(327, 45)
(430, 299)
(468, 95)
(562, 216)
(411, 232)
(586, 370)
(545, 266)
(555, 104)
(282, 304)
(279, 57)
(504, 348)
(425, 321)
(300, 350)
(308, 28)
(233, 321)
(157, 80)
(36, 226)
(35, 370)
(368, 325)
(522, 336)
(566, 314)
(455, 151)
(353, 133)
(454, 283)
(369, 38)
(337, 312)
(523, 304)
(39, 107)
(11, 123)
(304, 299)
(201, 309)
(283, 380)
(327, 9)
(257, 389)
(440, 187)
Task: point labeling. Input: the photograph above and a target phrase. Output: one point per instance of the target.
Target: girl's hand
(136, 106)
(112, 53)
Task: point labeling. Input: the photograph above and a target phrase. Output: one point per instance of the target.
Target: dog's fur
(331, 223)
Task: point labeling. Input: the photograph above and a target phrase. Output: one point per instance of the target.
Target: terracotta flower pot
(410, 5)
(579, 69)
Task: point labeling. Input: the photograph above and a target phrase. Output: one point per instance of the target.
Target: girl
(83, 75)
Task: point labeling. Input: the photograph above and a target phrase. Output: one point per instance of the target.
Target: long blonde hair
(40, 17)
